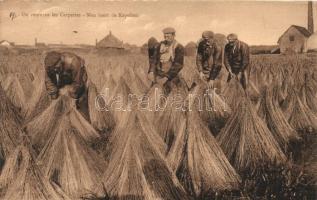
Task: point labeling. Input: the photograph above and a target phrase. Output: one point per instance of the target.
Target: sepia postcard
(158, 100)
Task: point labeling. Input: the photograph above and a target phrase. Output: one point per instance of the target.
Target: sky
(256, 23)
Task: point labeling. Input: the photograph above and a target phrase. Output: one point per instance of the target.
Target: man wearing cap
(237, 59)
(167, 61)
(208, 59)
(63, 69)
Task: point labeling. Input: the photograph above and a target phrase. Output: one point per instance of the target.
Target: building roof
(301, 29)
(6, 41)
(110, 41)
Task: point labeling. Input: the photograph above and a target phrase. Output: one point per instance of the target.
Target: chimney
(110, 33)
(35, 41)
(96, 42)
(310, 24)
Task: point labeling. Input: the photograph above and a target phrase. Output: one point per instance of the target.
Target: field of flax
(262, 147)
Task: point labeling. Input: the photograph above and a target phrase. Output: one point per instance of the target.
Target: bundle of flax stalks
(40, 102)
(170, 117)
(10, 132)
(100, 116)
(66, 158)
(253, 92)
(41, 127)
(153, 101)
(246, 140)
(137, 169)
(300, 116)
(271, 113)
(198, 161)
(108, 87)
(230, 93)
(309, 93)
(121, 100)
(15, 92)
(234, 85)
(136, 84)
(289, 102)
(278, 96)
(213, 109)
(34, 106)
(21, 179)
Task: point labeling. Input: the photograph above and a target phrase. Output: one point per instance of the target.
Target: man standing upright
(208, 59)
(237, 59)
(167, 61)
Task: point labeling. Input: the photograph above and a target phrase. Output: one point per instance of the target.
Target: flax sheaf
(66, 157)
(138, 169)
(246, 140)
(272, 114)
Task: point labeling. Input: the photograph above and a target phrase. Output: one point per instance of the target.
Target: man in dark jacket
(166, 61)
(65, 69)
(208, 59)
(237, 59)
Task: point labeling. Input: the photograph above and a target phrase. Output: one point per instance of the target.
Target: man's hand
(231, 74)
(202, 76)
(162, 81)
(151, 76)
(211, 84)
(74, 103)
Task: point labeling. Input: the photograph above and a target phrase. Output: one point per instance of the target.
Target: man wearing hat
(65, 68)
(208, 59)
(167, 61)
(237, 59)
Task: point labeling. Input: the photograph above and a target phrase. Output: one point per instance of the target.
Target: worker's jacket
(167, 60)
(65, 69)
(209, 58)
(237, 57)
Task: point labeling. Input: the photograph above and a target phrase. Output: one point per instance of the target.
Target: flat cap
(232, 36)
(52, 58)
(169, 30)
(209, 34)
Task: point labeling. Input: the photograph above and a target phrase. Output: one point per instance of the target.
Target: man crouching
(63, 69)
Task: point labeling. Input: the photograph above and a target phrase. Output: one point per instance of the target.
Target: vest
(167, 55)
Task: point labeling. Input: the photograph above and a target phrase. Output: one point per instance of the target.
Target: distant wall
(262, 49)
(298, 45)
